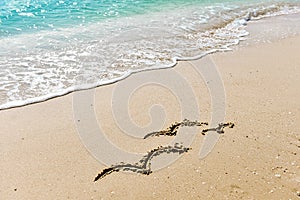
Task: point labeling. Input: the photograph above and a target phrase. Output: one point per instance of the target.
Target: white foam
(26, 14)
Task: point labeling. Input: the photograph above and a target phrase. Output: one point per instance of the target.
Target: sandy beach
(43, 156)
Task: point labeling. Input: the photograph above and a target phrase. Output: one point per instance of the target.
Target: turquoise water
(52, 47)
(20, 16)
(23, 16)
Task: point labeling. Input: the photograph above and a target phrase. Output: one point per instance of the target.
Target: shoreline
(42, 155)
(242, 42)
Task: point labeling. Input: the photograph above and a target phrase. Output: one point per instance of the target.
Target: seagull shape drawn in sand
(143, 166)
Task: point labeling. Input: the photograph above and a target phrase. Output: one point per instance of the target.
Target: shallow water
(52, 47)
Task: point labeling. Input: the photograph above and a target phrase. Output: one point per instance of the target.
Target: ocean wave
(45, 64)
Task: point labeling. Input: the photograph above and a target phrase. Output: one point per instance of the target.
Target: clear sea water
(51, 47)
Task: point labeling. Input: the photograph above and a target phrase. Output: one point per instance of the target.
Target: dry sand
(42, 156)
